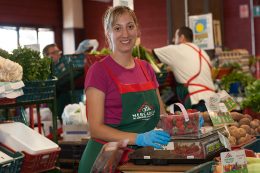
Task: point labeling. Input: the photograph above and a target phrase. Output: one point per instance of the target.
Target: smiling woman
(123, 101)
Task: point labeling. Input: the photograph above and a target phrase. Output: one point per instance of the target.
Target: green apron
(182, 89)
(140, 113)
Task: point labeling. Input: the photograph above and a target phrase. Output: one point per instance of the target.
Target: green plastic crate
(161, 77)
(254, 145)
(67, 63)
(13, 166)
(206, 167)
(38, 90)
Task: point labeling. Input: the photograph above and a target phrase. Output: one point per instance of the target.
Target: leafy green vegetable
(233, 65)
(103, 51)
(34, 67)
(252, 99)
(4, 54)
(236, 76)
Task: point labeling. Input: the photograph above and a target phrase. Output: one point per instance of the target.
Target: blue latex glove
(153, 138)
(201, 121)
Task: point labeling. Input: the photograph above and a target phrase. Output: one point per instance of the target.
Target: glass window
(27, 36)
(45, 37)
(32, 37)
(8, 37)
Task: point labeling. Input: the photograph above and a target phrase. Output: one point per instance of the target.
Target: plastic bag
(74, 114)
(109, 157)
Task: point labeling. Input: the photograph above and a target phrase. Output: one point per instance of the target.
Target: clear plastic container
(186, 122)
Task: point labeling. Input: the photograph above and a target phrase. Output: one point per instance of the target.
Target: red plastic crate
(6, 101)
(40, 162)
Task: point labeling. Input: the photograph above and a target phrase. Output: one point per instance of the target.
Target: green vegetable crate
(38, 90)
(14, 163)
(67, 63)
(161, 77)
(206, 167)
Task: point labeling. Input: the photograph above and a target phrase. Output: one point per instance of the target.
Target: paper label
(169, 146)
(147, 157)
(220, 118)
(234, 161)
(224, 141)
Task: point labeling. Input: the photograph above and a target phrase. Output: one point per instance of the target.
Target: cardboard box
(75, 132)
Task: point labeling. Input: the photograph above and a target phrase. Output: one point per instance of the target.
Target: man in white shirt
(191, 68)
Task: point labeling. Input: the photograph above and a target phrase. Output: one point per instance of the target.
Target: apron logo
(145, 112)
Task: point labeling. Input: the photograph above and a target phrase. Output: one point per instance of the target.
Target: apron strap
(197, 74)
(200, 54)
(204, 88)
(143, 69)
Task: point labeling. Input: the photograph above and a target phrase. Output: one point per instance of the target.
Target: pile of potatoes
(243, 129)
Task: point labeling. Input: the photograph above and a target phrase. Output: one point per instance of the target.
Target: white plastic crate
(20, 137)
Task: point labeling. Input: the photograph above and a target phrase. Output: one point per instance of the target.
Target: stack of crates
(40, 153)
(70, 73)
(10, 162)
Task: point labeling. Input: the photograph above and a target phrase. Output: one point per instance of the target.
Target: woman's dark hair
(187, 32)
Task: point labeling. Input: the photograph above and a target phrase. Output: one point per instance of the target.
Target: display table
(132, 168)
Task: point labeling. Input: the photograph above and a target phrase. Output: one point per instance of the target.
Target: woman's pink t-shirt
(99, 78)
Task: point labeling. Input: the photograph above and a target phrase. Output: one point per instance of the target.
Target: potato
(246, 127)
(232, 128)
(236, 124)
(241, 140)
(254, 124)
(248, 116)
(236, 116)
(242, 132)
(253, 132)
(244, 121)
(232, 140)
(234, 132)
(248, 137)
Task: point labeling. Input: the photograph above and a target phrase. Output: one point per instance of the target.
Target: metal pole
(252, 27)
(169, 20)
(186, 10)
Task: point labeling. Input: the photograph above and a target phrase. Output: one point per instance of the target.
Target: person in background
(53, 52)
(122, 97)
(191, 68)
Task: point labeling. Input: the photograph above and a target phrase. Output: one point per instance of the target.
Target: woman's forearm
(109, 134)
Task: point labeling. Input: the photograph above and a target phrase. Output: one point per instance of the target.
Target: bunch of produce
(142, 53)
(34, 67)
(244, 129)
(176, 124)
(252, 99)
(10, 71)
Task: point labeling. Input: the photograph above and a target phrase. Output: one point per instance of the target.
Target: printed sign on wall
(202, 28)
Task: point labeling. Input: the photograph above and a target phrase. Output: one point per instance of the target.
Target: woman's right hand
(153, 138)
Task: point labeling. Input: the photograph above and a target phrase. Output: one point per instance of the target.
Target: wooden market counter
(132, 168)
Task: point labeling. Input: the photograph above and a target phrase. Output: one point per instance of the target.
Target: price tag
(222, 107)
(224, 141)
